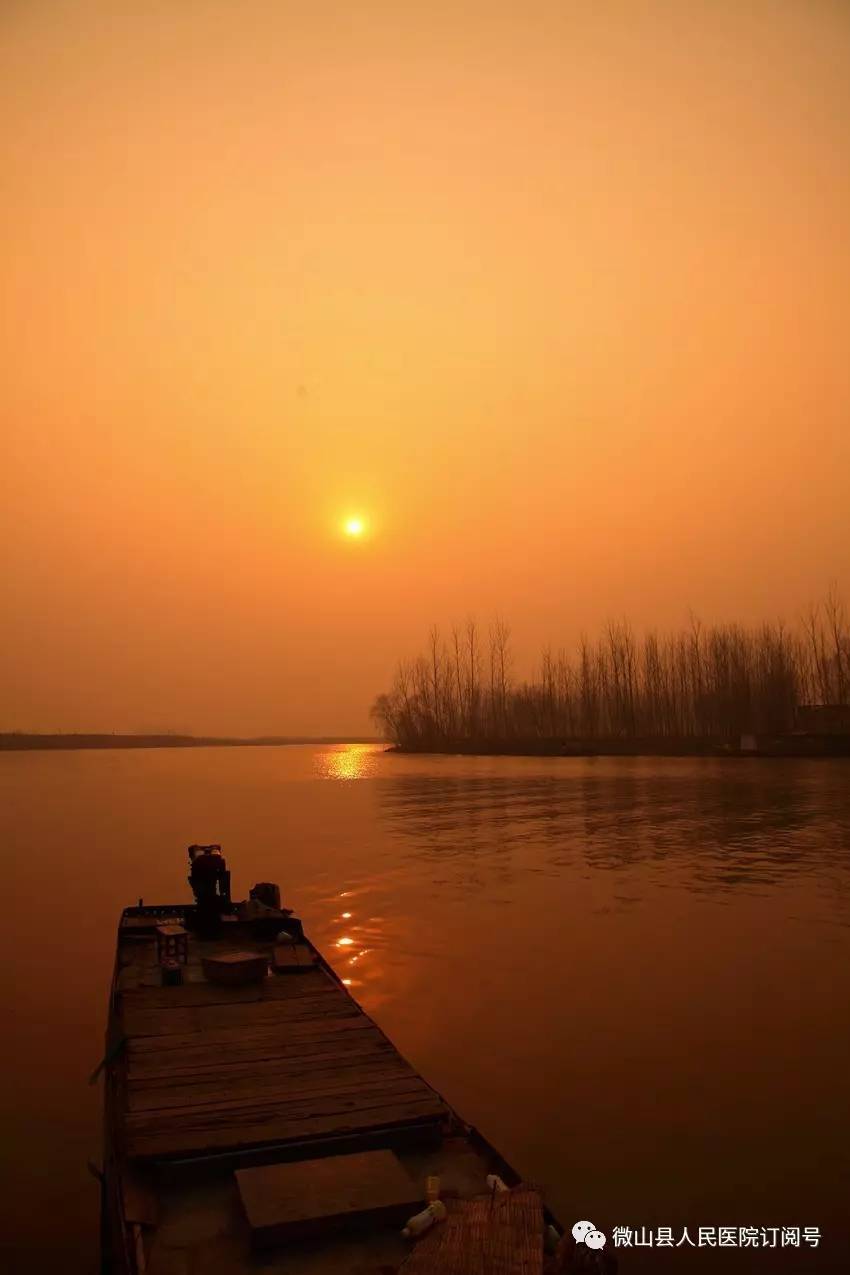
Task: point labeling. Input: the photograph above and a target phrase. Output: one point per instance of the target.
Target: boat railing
(158, 909)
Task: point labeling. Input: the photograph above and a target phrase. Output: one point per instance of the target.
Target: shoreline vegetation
(20, 741)
(716, 690)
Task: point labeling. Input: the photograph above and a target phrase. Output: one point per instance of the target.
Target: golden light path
(348, 761)
(347, 942)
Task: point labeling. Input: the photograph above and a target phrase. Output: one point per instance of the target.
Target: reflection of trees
(717, 824)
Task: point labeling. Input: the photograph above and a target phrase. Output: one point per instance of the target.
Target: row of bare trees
(702, 683)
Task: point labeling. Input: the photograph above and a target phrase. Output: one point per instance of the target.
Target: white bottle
(435, 1212)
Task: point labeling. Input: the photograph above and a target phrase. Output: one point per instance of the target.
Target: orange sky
(555, 294)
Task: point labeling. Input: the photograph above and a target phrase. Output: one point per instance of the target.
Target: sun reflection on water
(358, 943)
(348, 761)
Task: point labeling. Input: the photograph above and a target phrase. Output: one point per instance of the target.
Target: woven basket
(500, 1234)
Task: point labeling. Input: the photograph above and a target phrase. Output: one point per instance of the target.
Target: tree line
(711, 683)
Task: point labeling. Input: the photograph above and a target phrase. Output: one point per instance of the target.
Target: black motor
(210, 882)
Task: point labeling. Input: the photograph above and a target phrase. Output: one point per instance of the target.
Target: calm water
(633, 975)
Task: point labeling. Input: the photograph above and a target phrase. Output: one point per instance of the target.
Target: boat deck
(201, 1227)
(274, 1126)
(292, 1059)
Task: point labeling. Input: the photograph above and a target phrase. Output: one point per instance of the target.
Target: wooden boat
(271, 1122)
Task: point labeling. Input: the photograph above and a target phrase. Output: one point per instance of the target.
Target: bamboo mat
(495, 1235)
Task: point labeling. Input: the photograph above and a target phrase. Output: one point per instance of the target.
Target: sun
(354, 527)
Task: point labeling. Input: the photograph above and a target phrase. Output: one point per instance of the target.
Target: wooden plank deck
(210, 1069)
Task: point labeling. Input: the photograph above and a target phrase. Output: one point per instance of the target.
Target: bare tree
(837, 631)
(708, 683)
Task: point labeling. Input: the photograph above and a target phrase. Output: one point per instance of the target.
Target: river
(632, 974)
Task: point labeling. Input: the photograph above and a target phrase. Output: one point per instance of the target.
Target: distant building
(822, 719)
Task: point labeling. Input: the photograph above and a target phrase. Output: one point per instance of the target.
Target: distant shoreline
(22, 742)
(800, 746)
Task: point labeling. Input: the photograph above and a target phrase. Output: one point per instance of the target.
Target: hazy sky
(555, 295)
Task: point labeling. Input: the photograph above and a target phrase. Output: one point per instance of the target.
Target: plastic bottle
(495, 1183)
(435, 1212)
